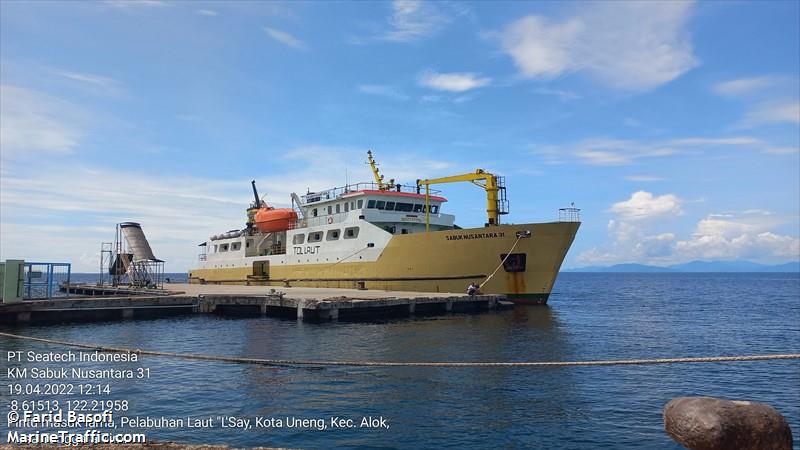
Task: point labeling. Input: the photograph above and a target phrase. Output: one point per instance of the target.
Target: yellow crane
(496, 203)
(376, 173)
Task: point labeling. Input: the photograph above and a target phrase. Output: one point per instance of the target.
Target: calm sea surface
(590, 317)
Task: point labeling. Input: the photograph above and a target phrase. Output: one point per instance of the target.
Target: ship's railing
(321, 220)
(570, 214)
(330, 194)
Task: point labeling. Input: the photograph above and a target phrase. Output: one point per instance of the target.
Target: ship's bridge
(400, 210)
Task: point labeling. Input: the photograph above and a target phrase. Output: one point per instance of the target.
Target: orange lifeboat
(269, 220)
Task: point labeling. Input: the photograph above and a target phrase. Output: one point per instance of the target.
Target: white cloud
(603, 158)
(628, 45)
(643, 205)
(782, 150)
(744, 235)
(620, 152)
(705, 141)
(453, 82)
(383, 90)
(33, 122)
(95, 82)
(562, 95)
(643, 178)
(743, 86)
(285, 38)
(777, 112)
(134, 4)
(414, 19)
(617, 152)
(207, 12)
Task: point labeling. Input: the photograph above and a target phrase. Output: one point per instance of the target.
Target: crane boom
(377, 174)
(492, 184)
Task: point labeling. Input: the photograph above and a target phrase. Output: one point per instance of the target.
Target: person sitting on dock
(472, 289)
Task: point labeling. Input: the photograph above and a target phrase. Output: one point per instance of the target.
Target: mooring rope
(302, 362)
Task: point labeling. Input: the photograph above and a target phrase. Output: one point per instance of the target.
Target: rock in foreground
(707, 423)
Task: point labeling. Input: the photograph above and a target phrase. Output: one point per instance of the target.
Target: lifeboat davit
(270, 220)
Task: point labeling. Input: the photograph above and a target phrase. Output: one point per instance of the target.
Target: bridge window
(338, 208)
(380, 204)
(434, 209)
(405, 207)
(360, 204)
(330, 210)
(370, 204)
(298, 239)
(418, 208)
(346, 206)
(223, 248)
(351, 233)
(315, 237)
(389, 206)
(314, 212)
(332, 235)
(236, 246)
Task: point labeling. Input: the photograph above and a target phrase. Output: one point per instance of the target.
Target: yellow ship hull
(442, 261)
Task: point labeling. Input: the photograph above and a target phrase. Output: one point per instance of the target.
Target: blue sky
(674, 126)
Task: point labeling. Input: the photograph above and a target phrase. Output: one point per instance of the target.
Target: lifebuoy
(330, 220)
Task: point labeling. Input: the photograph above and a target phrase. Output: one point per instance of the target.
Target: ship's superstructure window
(360, 204)
(404, 207)
(330, 209)
(346, 206)
(370, 204)
(216, 248)
(236, 246)
(332, 235)
(403, 231)
(298, 238)
(351, 233)
(315, 237)
(418, 208)
(249, 241)
(314, 213)
(434, 209)
(223, 247)
(338, 208)
(389, 206)
(380, 204)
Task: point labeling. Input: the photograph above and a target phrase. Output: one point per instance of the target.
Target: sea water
(589, 317)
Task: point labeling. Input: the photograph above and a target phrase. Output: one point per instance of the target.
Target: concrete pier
(308, 304)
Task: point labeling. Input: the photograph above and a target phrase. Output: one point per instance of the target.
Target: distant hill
(621, 268)
(695, 266)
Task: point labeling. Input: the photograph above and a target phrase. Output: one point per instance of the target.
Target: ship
(389, 236)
